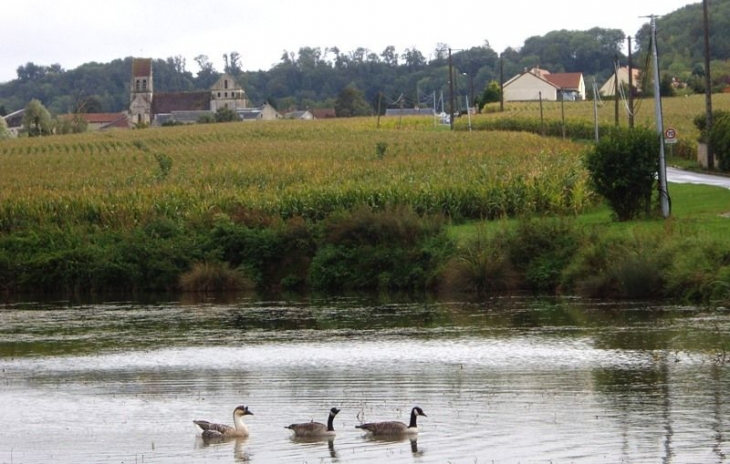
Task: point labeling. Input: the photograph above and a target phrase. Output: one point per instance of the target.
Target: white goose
(394, 427)
(315, 429)
(239, 429)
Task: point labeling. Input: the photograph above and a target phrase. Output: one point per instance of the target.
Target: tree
(207, 74)
(414, 59)
(351, 102)
(226, 114)
(37, 119)
(390, 57)
(73, 124)
(623, 169)
(232, 64)
(4, 132)
(492, 93)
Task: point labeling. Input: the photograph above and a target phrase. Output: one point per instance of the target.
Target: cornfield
(677, 112)
(284, 168)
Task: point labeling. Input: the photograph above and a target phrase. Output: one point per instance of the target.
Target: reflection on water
(503, 380)
(237, 443)
(316, 441)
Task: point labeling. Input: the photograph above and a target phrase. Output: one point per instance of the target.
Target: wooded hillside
(313, 77)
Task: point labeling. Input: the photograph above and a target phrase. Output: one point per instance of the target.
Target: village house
(539, 84)
(324, 113)
(264, 112)
(609, 88)
(14, 121)
(304, 115)
(103, 121)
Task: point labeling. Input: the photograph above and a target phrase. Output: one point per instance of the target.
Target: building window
(225, 83)
(137, 85)
(219, 94)
(144, 84)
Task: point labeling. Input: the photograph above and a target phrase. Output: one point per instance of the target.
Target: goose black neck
(330, 419)
(413, 419)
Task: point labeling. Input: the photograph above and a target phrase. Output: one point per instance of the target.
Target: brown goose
(315, 429)
(239, 429)
(394, 427)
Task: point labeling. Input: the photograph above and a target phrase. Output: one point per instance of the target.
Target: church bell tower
(141, 92)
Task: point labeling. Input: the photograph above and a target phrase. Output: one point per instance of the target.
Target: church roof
(167, 102)
(141, 67)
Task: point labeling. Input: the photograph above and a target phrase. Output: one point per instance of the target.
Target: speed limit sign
(670, 135)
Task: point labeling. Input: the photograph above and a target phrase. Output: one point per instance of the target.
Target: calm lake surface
(503, 380)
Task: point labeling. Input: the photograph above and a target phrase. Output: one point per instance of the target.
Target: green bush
(480, 266)
(390, 249)
(274, 254)
(623, 169)
(213, 277)
(720, 140)
(609, 266)
(540, 249)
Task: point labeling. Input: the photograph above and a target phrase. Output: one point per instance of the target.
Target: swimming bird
(394, 427)
(315, 429)
(239, 429)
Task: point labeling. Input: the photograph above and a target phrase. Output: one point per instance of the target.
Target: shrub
(540, 249)
(479, 266)
(389, 249)
(623, 169)
(610, 266)
(272, 255)
(213, 277)
(720, 140)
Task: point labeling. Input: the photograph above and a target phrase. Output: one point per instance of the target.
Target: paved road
(686, 177)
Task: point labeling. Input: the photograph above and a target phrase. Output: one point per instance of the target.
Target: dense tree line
(314, 77)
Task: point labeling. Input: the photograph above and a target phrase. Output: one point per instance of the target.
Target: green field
(678, 112)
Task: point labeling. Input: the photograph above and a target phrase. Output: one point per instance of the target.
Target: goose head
(241, 411)
(417, 411)
(333, 412)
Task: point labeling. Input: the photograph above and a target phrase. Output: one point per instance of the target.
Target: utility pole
(708, 87)
(631, 89)
(663, 192)
(380, 100)
(615, 88)
(451, 92)
(501, 83)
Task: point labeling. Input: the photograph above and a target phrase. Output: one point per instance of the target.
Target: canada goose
(315, 429)
(394, 427)
(239, 429)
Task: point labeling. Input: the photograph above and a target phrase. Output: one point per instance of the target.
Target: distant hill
(312, 78)
(680, 35)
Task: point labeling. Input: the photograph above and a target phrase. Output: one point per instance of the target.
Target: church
(149, 108)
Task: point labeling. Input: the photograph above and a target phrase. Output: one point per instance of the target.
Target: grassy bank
(337, 205)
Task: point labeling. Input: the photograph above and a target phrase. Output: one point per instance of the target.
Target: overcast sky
(73, 32)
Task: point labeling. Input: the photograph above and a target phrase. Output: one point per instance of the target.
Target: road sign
(670, 135)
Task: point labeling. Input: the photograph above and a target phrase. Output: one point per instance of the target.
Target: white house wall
(529, 87)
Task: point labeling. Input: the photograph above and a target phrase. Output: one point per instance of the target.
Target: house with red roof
(539, 84)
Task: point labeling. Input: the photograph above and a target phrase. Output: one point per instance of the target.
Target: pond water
(503, 380)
